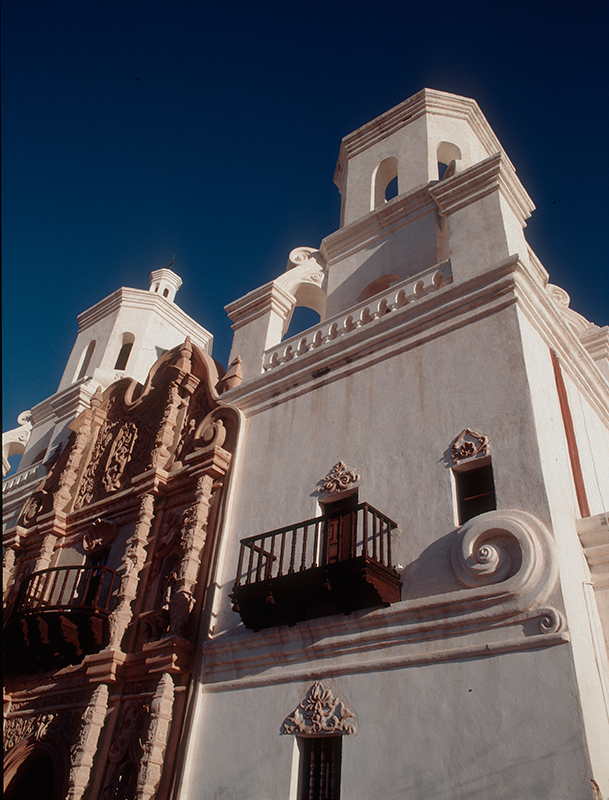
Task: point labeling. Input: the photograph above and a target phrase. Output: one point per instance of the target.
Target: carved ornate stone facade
(92, 551)
(177, 577)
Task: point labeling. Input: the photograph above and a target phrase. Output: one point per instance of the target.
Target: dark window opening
(165, 292)
(441, 170)
(320, 764)
(391, 190)
(123, 356)
(475, 492)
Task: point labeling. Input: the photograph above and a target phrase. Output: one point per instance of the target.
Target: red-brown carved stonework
(137, 486)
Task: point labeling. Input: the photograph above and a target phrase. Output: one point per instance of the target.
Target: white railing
(345, 323)
(35, 470)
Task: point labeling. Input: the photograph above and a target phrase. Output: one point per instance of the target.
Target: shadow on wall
(403, 257)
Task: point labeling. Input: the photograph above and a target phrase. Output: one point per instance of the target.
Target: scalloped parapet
(343, 325)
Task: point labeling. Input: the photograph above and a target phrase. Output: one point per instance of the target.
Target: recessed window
(441, 170)
(86, 361)
(123, 356)
(320, 761)
(475, 491)
(384, 182)
(125, 351)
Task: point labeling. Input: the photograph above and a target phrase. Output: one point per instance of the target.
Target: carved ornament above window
(339, 479)
(320, 712)
(469, 444)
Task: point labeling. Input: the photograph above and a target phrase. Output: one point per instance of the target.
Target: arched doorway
(36, 770)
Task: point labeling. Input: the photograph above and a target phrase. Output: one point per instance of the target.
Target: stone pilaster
(11, 546)
(135, 556)
(194, 537)
(45, 554)
(151, 766)
(86, 747)
(63, 495)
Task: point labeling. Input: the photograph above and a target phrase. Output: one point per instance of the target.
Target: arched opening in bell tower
(384, 182)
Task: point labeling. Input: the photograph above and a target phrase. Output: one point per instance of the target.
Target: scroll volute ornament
(508, 554)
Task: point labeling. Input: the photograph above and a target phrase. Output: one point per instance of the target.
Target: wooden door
(340, 529)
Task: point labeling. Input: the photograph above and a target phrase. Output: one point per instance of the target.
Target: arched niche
(37, 769)
(85, 360)
(382, 176)
(376, 286)
(127, 342)
(446, 153)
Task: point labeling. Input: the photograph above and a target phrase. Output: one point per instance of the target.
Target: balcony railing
(304, 571)
(61, 615)
(83, 588)
(300, 547)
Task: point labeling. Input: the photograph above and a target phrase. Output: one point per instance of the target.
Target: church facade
(368, 559)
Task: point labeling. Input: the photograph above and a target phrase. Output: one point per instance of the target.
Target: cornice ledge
(258, 302)
(548, 321)
(426, 653)
(427, 101)
(126, 297)
(495, 173)
(377, 224)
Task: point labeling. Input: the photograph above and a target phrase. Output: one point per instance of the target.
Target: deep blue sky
(137, 129)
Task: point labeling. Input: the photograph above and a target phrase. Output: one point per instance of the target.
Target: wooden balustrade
(299, 547)
(339, 562)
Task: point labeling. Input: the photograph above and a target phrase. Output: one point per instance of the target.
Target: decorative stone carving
(135, 556)
(131, 723)
(99, 535)
(193, 541)
(234, 375)
(19, 728)
(151, 765)
(338, 479)
(469, 444)
(120, 453)
(508, 547)
(86, 745)
(320, 712)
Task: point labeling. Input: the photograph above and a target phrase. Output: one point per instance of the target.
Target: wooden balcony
(61, 615)
(336, 563)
